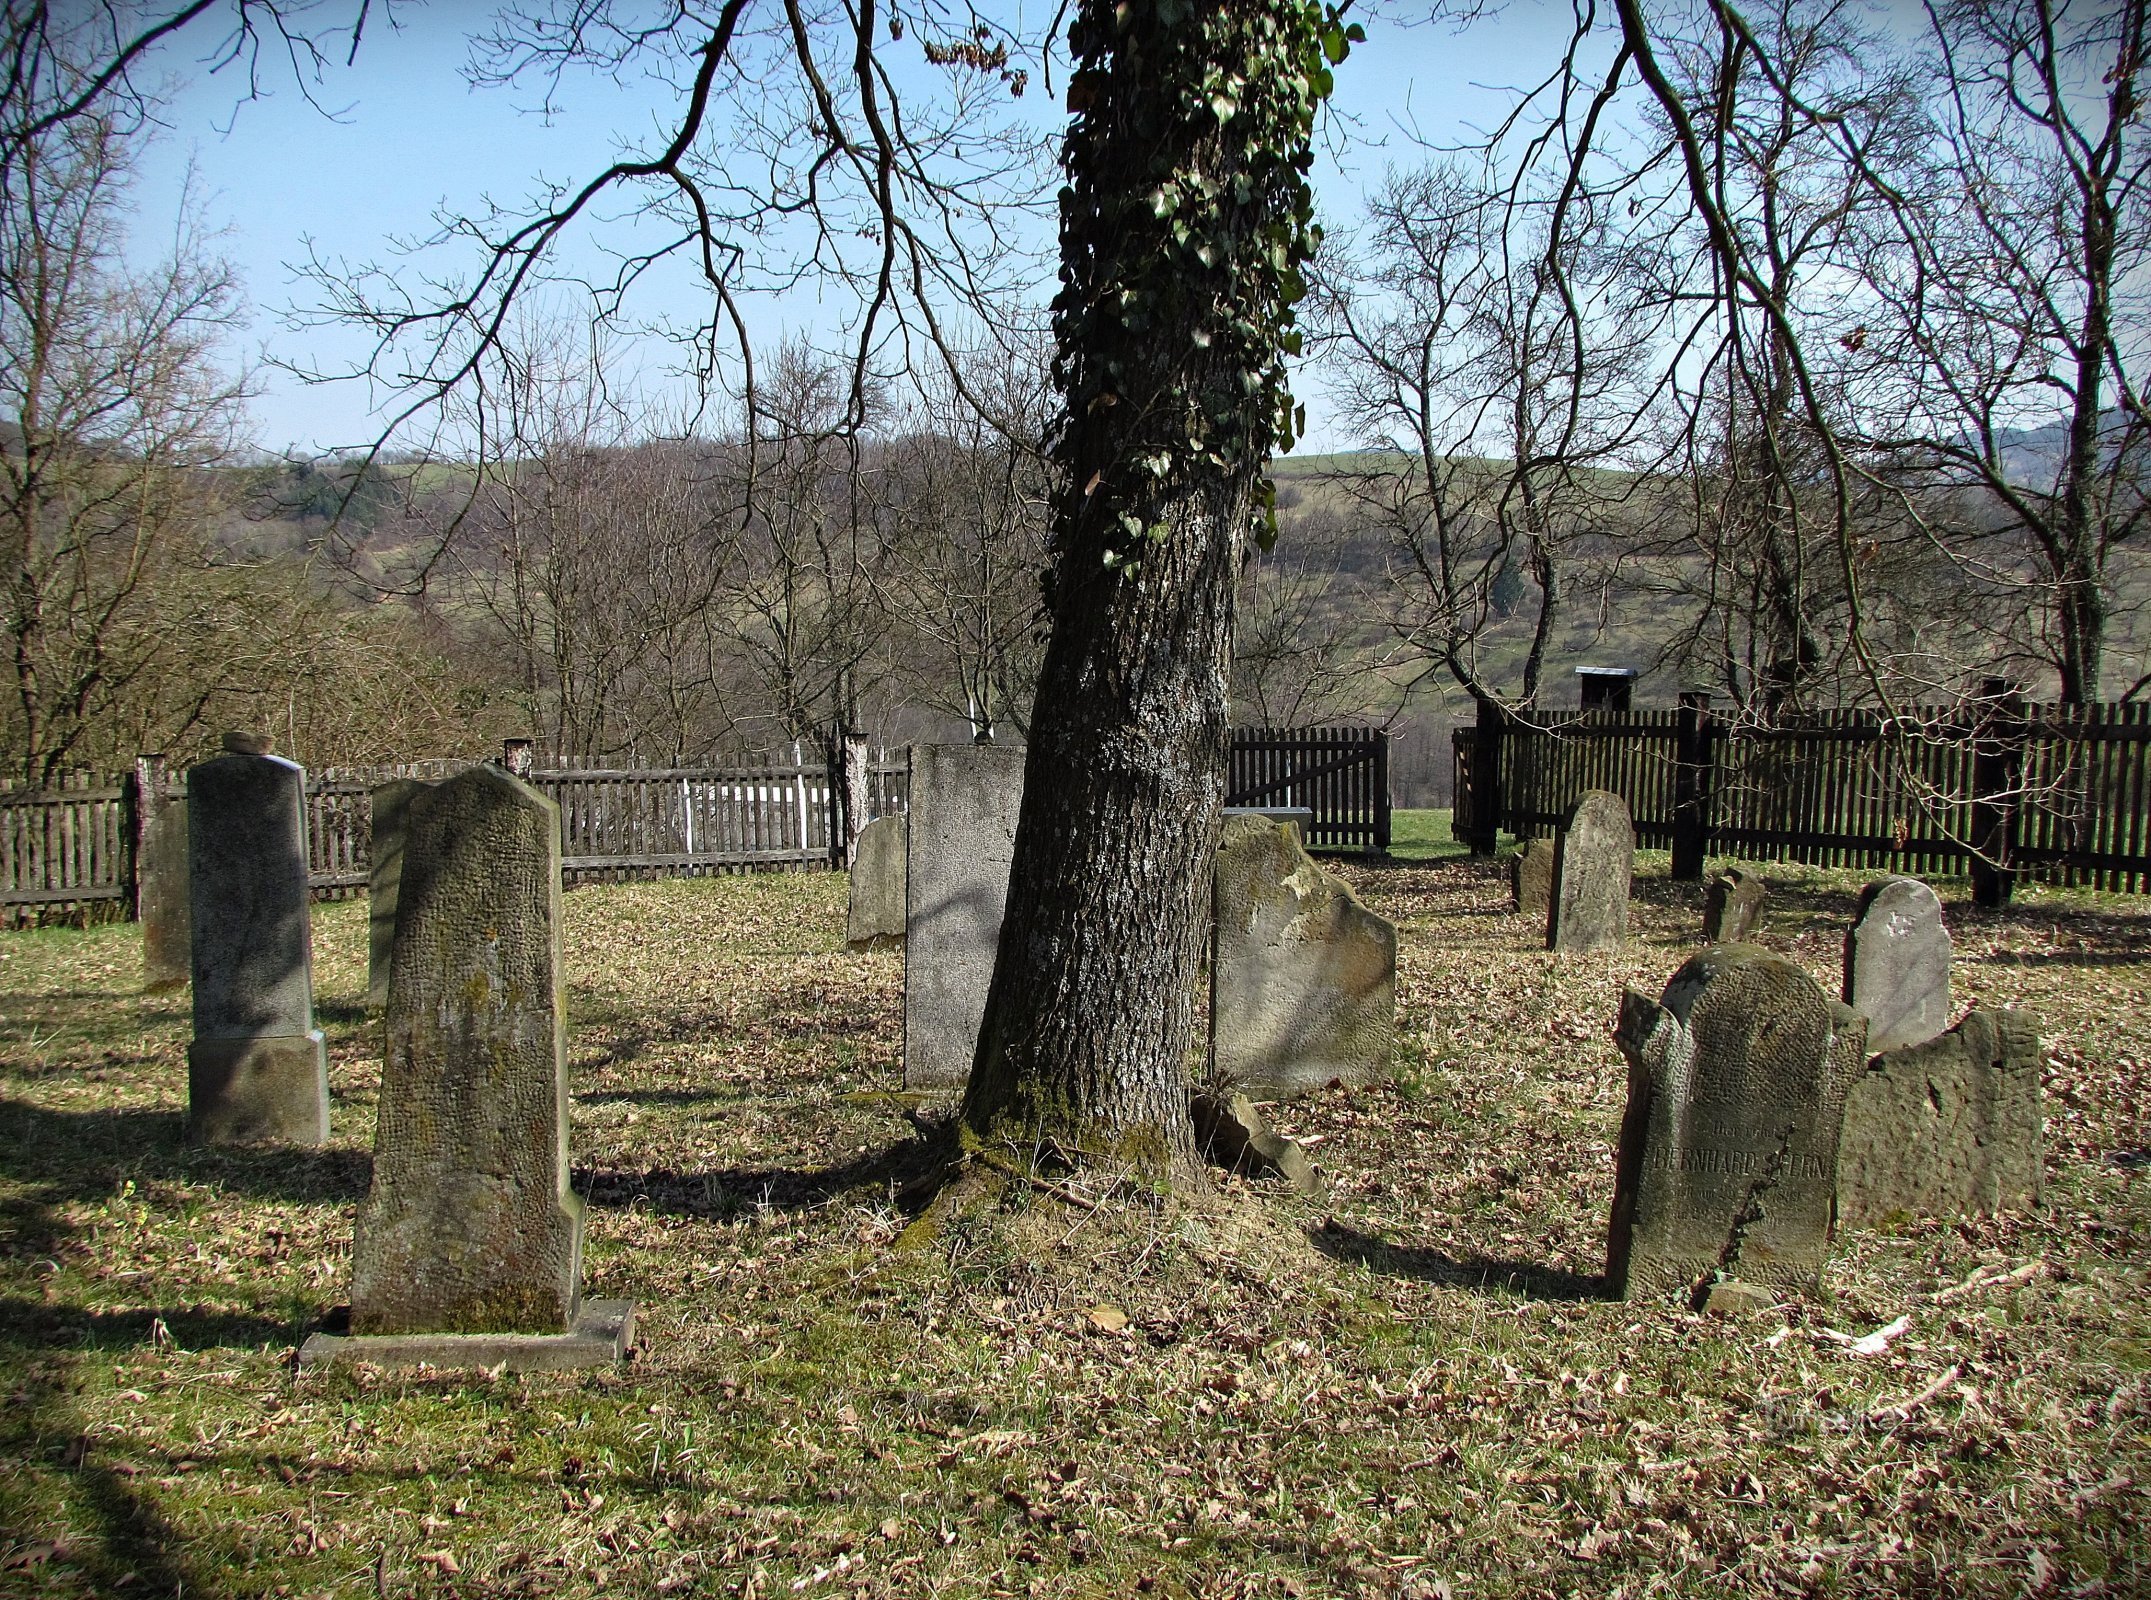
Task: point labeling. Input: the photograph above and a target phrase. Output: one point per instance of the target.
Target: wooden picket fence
(68, 847)
(2061, 793)
(1340, 774)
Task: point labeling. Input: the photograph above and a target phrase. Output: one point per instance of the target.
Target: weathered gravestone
(1897, 964)
(1594, 861)
(1531, 877)
(160, 856)
(391, 810)
(1303, 978)
(960, 839)
(257, 1071)
(877, 886)
(469, 1226)
(1732, 906)
(1728, 1151)
(1949, 1128)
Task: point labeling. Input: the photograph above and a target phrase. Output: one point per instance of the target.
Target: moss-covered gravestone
(1732, 906)
(257, 1071)
(160, 866)
(1897, 964)
(391, 810)
(1949, 1128)
(1531, 877)
(877, 886)
(1728, 1152)
(469, 1226)
(1303, 978)
(1594, 863)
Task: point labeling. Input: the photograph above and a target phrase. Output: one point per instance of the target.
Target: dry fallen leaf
(1110, 1318)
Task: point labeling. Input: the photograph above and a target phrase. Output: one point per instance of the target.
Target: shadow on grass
(83, 1155)
(877, 1175)
(1527, 1280)
(36, 1327)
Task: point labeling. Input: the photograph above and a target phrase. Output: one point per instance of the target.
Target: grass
(1408, 1389)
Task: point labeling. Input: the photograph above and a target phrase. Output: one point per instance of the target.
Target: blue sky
(408, 136)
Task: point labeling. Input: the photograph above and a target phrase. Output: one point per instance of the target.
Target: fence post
(1691, 786)
(159, 887)
(1997, 778)
(1381, 790)
(1485, 835)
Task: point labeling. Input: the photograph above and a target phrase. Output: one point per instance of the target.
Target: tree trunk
(1181, 232)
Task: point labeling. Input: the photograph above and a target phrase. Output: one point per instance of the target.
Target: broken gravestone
(1231, 1132)
(1594, 861)
(1897, 964)
(1303, 978)
(1732, 906)
(877, 886)
(469, 1225)
(257, 1070)
(391, 808)
(1728, 1150)
(960, 836)
(1945, 1129)
(1531, 877)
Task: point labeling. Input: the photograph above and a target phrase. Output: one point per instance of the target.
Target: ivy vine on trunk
(1185, 222)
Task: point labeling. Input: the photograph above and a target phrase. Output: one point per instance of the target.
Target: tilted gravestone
(469, 1225)
(1303, 978)
(1949, 1128)
(1732, 906)
(1594, 862)
(1531, 877)
(161, 876)
(877, 886)
(391, 809)
(960, 838)
(257, 1070)
(1897, 964)
(1728, 1150)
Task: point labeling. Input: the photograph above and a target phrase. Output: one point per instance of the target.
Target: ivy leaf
(1224, 105)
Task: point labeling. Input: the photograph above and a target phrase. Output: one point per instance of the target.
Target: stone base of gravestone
(1732, 906)
(391, 811)
(876, 917)
(272, 1090)
(602, 1334)
(960, 838)
(1727, 1164)
(1303, 978)
(469, 1225)
(1897, 964)
(1594, 863)
(1531, 877)
(1949, 1128)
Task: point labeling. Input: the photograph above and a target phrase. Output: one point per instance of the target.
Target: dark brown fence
(1340, 774)
(2062, 793)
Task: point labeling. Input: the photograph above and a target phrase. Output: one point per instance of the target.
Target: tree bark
(1181, 231)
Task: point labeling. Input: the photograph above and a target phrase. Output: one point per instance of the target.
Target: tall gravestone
(1897, 964)
(876, 916)
(1594, 862)
(1531, 876)
(1949, 1128)
(160, 856)
(1728, 1157)
(257, 1070)
(391, 812)
(469, 1225)
(1303, 978)
(1732, 906)
(960, 838)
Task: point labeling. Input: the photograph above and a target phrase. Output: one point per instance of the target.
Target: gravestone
(1945, 1129)
(161, 876)
(960, 837)
(469, 1225)
(1732, 906)
(1531, 877)
(1303, 978)
(391, 807)
(1897, 964)
(877, 886)
(1728, 1150)
(1594, 860)
(257, 1070)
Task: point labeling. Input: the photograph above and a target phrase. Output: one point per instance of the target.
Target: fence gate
(1340, 774)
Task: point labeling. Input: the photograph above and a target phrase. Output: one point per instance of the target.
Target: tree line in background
(1779, 354)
